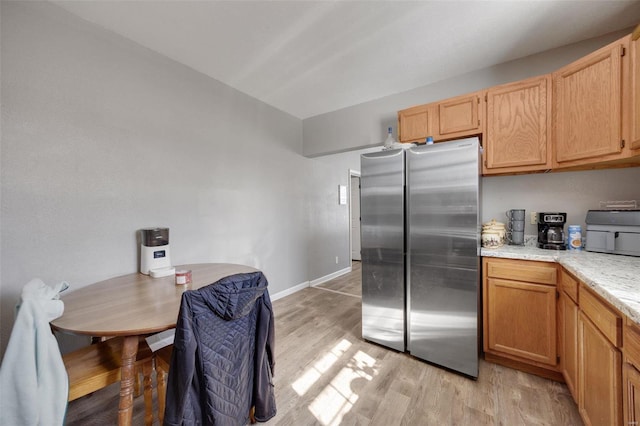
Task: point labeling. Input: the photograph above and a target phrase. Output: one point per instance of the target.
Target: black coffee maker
(551, 231)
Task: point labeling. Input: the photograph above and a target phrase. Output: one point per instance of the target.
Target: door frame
(352, 174)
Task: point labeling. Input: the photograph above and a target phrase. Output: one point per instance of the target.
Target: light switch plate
(342, 194)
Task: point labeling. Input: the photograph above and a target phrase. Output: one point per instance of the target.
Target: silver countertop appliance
(613, 231)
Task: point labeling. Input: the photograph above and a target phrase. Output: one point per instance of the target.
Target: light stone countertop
(614, 277)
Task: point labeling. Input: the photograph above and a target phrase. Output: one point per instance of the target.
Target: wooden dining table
(131, 306)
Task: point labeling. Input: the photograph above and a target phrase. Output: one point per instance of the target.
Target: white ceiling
(312, 57)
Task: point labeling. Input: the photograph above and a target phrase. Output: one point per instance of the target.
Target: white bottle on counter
(575, 237)
(390, 141)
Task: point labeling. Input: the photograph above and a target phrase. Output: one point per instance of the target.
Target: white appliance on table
(155, 256)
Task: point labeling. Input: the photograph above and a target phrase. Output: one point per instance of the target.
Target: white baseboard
(329, 277)
(287, 292)
(318, 281)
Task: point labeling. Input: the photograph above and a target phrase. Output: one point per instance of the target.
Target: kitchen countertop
(614, 277)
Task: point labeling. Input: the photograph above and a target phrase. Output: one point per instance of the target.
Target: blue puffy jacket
(223, 354)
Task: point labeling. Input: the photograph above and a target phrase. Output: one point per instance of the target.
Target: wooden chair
(163, 360)
(98, 365)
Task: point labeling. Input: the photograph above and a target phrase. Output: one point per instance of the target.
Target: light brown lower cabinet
(512, 328)
(631, 373)
(520, 312)
(525, 310)
(599, 376)
(631, 379)
(568, 324)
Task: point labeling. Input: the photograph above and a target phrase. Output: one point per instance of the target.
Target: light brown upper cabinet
(586, 115)
(518, 127)
(588, 108)
(460, 116)
(416, 123)
(448, 119)
(634, 49)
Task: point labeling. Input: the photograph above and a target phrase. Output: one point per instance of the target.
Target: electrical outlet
(336, 260)
(534, 218)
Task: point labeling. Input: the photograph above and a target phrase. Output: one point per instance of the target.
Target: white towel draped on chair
(33, 381)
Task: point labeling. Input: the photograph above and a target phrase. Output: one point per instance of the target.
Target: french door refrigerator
(420, 237)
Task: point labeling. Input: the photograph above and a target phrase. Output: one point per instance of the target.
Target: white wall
(570, 192)
(102, 137)
(329, 221)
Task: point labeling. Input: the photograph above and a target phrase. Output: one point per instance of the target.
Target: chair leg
(162, 392)
(137, 389)
(147, 370)
(252, 415)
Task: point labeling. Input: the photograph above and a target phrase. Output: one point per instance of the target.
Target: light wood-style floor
(325, 374)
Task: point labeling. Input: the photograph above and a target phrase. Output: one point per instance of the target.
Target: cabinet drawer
(631, 339)
(569, 285)
(606, 320)
(523, 270)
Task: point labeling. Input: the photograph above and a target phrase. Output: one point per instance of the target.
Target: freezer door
(382, 247)
(443, 244)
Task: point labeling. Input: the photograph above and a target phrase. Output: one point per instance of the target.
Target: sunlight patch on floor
(337, 398)
(309, 377)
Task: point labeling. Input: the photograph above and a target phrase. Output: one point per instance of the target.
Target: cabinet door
(569, 285)
(521, 320)
(631, 380)
(588, 107)
(630, 373)
(599, 376)
(635, 89)
(459, 116)
(518, 127)
(415, 124)
(569, 342)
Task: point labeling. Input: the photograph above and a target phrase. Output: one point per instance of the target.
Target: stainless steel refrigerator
(420, 237)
